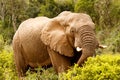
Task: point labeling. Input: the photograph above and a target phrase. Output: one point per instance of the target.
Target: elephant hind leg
(18, 58)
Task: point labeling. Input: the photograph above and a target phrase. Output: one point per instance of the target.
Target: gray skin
(42, 41)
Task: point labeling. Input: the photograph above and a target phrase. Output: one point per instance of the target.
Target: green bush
(111, 38)
(41, 74)
(108, 12)
(87, 6)
(1, 42)
(7, 67)
(8, 70)
(103, 67)
(113, 41)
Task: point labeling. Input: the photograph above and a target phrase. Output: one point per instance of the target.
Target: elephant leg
(60, 63)
(20, 65)
(19, 59)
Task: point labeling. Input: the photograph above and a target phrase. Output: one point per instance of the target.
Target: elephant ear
(53, 35)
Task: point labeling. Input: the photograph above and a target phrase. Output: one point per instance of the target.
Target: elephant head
(69, 31)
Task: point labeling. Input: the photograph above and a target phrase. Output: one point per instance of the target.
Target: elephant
(60, 41)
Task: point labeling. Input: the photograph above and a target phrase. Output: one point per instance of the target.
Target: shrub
(103, 67)
(113, 41)
(111, 38)
(7, 68)
(41, 74)
(1, 42)
(87, 6)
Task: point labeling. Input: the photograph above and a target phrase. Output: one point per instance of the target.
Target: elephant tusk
(102, 46)
(79, 49)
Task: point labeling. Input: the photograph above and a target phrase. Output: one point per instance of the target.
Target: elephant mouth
(77, 55)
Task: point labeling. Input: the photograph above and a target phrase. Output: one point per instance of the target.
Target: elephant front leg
(60, 62)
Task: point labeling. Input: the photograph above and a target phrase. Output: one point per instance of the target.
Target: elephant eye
(72, 30)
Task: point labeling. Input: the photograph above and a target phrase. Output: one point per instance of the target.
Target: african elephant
(43, 41)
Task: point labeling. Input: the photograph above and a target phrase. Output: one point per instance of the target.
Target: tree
(108, 12)
(48, 8)
(86, 6)
(11, 11)
(33, 9)
(52, 8)
(3, 10)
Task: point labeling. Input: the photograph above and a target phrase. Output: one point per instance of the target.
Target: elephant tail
(18, 55)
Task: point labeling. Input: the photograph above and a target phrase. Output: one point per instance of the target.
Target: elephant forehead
(80, 17)
(64, 13)
(83, 23)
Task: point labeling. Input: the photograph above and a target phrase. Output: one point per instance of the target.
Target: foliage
(86, 6)
(41, 74)
(105, 14)
(111, 38)
(11, 12)
(48, 8)
(108, 12)
(1, 42)
(7, 34)
(52, 8)
(65, 5)
(7, 68)
(32, 8)
(103, 67)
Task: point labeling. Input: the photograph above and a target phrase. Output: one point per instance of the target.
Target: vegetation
(105, 14)
(102, 67)
(7, 67)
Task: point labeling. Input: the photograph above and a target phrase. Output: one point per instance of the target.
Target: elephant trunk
(85, 54)
(88, 43)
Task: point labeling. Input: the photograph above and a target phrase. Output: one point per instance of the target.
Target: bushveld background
(106, 16)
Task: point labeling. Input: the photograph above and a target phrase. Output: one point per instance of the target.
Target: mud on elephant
(42, 41)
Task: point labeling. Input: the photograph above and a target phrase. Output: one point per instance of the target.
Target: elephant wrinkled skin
(43, 41)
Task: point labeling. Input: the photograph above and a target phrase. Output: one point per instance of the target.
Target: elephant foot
(62, 68)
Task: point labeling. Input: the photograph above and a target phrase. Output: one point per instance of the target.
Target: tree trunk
(14, 22)
(14, 26)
